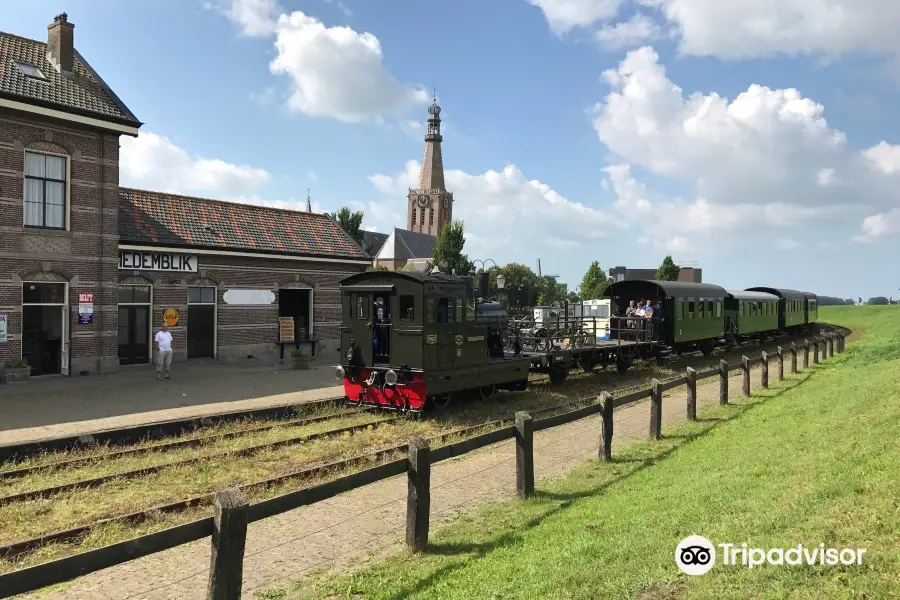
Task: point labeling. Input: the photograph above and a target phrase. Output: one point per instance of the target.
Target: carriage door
(361, 325)
(446, 331)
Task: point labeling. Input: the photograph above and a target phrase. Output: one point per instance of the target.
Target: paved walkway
(55, 406)
(369, 522)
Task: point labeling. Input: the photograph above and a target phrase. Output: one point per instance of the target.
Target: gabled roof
(405, 245)
(170, 220)
(373, 241)
(84, 93)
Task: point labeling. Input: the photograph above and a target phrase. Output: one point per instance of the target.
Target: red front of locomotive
(387, 388)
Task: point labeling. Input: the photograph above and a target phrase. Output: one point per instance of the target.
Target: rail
(228, 528)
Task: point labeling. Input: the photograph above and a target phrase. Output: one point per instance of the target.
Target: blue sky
(547, 157)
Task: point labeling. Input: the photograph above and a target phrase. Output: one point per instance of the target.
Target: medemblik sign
(132, 260)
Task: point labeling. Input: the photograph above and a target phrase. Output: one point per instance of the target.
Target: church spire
(430, 204)
(431, 175)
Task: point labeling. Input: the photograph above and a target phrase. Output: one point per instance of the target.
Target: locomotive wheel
(487, 391)
(558, 374)
(441, 402)
(706, 349)
(587, 364)
(622, 364)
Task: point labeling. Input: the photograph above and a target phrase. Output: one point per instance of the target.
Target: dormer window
(31, 71)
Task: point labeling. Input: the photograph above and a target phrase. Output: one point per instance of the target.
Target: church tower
(430, 204)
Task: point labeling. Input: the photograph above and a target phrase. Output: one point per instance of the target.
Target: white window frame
(68, 192)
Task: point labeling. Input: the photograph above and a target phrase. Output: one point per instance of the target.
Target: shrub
(17, 363)
(300, 355)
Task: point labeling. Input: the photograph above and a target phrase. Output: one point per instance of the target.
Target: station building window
(45, 190)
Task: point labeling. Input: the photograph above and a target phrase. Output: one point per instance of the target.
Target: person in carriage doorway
(658, 320)
(648, 318)
(381, 331)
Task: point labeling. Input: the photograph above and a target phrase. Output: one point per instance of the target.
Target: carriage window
(407, 307)
(362, 307)
(691, 309)
(718, 308)
(709, 309)
(700, 312)
(429, 310)
(470, 309)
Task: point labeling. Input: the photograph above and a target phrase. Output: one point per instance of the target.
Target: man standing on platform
(164, 351)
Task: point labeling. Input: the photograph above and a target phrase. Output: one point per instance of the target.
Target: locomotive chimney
(61, 44)
(484, 285)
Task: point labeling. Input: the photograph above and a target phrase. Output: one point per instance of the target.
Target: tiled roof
(373, 241)
(84, 93)
(170, 220)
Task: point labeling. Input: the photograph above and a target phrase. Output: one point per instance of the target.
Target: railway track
(248, 451)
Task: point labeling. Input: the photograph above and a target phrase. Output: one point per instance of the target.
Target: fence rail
(228, 527)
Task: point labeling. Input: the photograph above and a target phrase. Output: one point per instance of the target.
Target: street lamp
(483, 263)
(501, 281)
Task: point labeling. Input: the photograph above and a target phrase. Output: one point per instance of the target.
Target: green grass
(812, 460)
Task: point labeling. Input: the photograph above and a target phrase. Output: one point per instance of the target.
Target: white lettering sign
(3, 322)
(249, 297)
(132, 260)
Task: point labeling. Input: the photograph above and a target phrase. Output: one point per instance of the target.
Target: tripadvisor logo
(696, 555)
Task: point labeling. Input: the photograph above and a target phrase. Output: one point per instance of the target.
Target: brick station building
(88, 269)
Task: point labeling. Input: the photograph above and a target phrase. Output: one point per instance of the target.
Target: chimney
(61, 44)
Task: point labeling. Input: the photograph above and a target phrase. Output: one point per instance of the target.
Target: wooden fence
(233, 513)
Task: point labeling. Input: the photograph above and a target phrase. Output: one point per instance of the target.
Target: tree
(351, 222)
(878, 301)
(593, 284)
(552, 293)
(448, 256)
(377, 268)
(849, 301)
(668, 270)
(521, 286)
(408, 268)
(573, 298)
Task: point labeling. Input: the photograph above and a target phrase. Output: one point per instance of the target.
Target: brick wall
(251, 330)
(73, 256)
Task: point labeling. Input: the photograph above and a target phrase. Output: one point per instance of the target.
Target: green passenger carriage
(750, 314)
(795, 309)
(693, 313)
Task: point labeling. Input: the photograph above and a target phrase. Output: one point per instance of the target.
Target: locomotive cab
(407, 337)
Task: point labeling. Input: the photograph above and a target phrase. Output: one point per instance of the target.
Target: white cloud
(752, 28)
(565, 15)
(879, 226)
(343, 8)
(505, 212)
(256, 17)
(336, 72)
(151, 161)
(636, 30)
(884, 157)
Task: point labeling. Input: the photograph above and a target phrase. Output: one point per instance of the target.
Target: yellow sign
(431, 339)
(170, 317)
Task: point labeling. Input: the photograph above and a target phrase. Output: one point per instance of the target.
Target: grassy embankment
(812, 460)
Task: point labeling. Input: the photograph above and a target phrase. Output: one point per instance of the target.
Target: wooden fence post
(830, 345)
(815, 343)
(524, 455)
(793, 358)
(229, 537)
(841, 342)
(745, 366)
(780, 363)
(764, 375)
(723, 382)
(418, 494)
(805, 354)
(655, 409)
(691, 394)
(606, 428)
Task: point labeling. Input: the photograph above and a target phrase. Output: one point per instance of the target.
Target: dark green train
(700, 316)
(409, 340)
